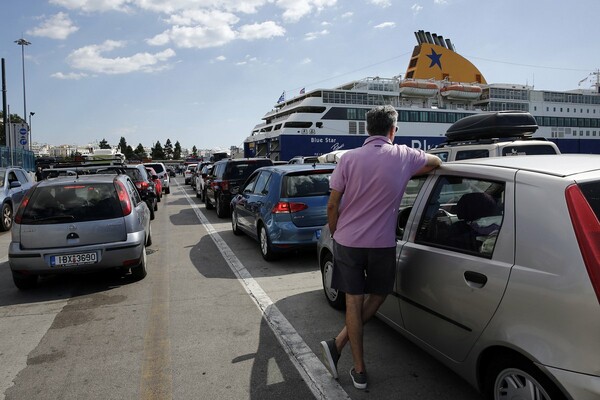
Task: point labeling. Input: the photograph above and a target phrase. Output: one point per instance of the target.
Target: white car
(163, 175)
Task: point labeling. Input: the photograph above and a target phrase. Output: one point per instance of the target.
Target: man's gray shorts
(358, 270)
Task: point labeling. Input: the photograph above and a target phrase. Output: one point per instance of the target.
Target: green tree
(194, 151)
(14, 118)
(140, 152)
(122, 147)
(128, 153)
(177, 151)
(104, 144)
(157, 152)
(168, 149)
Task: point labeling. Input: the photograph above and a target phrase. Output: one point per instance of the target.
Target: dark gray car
(498, 274)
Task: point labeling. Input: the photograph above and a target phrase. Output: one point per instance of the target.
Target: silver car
(498, 274)
(14, 183)
(79, 224)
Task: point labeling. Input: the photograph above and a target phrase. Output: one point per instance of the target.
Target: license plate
(318, 234)
(65, 260)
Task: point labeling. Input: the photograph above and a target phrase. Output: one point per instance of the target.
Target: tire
(335, 298)
(207, 203)
(265, 244)
(203, 195)
(139, 272)
(149, 238)
(151, 212)
(222, 209)
(168, 190)
(24, 281)
(514, 377)
(7, 217)
(234, 225)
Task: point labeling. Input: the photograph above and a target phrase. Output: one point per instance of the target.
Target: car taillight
(288, 207)
(225, 185)
(123, 198)
(587, 230)
(21, 210)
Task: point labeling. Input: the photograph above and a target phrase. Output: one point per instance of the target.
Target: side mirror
(15, 184)
(154, 177)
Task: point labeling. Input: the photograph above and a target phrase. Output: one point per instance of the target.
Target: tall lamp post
(22, 42)
(31, 114)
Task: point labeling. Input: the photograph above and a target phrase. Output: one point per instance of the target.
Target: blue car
(283, 207)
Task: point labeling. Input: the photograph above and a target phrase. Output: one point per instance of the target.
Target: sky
(204, 72)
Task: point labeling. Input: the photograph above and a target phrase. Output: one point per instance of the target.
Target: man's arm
(333, 206)
(432, 163)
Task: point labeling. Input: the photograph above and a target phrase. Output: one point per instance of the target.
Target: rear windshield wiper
(54, 218)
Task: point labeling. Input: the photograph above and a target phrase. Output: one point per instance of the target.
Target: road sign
(23, 141)
(23, 131)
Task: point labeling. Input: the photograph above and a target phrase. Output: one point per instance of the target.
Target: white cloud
(306, 61)
(294, 10)
(381, 3)
(385, 25)
(416, 8)
(69, 76)
(90, 58)
(198, 37)
(221, 58)
(440, 1)
(265, 30)
(94, 5)
(348, 14)
(58, 26)
(203, 17)
(314, 35)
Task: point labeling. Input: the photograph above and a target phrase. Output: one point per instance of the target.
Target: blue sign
(23, 131)
(23, 141)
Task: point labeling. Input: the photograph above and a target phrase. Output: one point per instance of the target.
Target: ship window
(568, 109)
(352, 127)
(413, 116)
(351, 113)
(552, 121)
(297, 124)
(560, 122)
(433, 116)
(403, 116)
(442, 117)
(277, 127)
(361, 128)
(424, 117)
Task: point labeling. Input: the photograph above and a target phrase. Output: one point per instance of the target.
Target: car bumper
(110, 255)
(579, 386)
(286, 235)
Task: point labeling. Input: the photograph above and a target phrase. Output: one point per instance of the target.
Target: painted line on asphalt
(312, 370)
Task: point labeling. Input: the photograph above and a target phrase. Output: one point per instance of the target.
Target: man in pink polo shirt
(366, 189)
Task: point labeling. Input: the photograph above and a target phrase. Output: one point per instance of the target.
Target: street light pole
(31, 114)
(22, 42)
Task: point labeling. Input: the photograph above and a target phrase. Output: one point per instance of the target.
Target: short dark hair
(381, 119)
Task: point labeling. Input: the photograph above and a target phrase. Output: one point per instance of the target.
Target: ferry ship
(439, 88)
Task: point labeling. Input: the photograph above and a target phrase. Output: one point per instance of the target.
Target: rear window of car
(135, 174)
(313, 183)
(72, 203)
(469, 154)
(591, 191)
(242, 170)
(530, 149)
(157, 167)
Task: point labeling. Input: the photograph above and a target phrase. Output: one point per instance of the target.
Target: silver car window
(21, 176)
(463, 214)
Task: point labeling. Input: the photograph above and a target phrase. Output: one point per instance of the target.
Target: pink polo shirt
(373, 179)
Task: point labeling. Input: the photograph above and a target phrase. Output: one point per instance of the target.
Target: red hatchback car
(157, 182)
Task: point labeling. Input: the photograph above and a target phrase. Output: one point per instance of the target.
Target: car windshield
(310, 183)
(135, 174)
(239, 170)
(72, 203)
(157, 167)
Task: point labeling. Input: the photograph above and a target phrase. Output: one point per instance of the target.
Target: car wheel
(265, 244)
(139, 272)
(151, 211)
(7, 217)
(234, 224)
(513, 377)
(24, 281)
(222, 208)
(203, 195)
(167, 190)
(149, 238)
(335, 298)
(207, 203)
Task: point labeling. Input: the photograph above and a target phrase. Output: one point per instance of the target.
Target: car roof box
(500, 124)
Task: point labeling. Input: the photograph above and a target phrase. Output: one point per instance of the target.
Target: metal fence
(17, 157)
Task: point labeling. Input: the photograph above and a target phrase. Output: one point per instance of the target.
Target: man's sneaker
(330, 356)
(359, 379)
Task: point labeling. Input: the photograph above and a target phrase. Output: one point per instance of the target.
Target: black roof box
(493, 125)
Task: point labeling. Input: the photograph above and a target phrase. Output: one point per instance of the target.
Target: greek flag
(281, 98)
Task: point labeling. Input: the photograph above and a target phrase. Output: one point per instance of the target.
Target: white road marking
(314, 373)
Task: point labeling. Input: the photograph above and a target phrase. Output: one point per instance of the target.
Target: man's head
(380, 120)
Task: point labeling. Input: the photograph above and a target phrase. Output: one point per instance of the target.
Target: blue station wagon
(283, 207)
